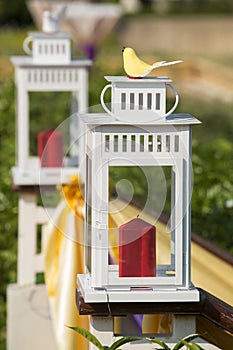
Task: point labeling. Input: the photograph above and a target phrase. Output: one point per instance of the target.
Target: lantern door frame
(108, 275)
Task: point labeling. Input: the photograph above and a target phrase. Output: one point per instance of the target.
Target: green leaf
(89, 336)
(192, 346)
(185, 340)
(122, 341)
(159, 342)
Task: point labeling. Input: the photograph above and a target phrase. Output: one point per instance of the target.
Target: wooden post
(27, 233)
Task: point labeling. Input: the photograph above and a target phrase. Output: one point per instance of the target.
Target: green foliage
(150, 186)
(124, 340)
(212, 201)
(215, 115)
(91, 338)
(160, 343)
(192, 346)
(8, 201)
(48, 110)
(14, 12)
(212, 161)
(11, 42)
(184, 341)
(198, 7)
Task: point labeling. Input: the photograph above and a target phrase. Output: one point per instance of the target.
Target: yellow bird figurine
(136, 68)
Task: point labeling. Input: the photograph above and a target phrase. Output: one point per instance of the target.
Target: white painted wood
(30, 216)
(186, 325)
(187, 216)
(75, 131)
(178, 228)
(26, 238)
(99, 176)
(42, 215)
(83, 81)
(35, 175)
(29, 324)
(22, 122)
(103, 329)
(39, 264)
(156, 295)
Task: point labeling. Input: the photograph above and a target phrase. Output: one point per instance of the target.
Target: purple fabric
(138, 318)
(89, 50)
(111, 260)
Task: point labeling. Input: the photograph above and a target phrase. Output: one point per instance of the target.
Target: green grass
(215, 115)
(11, 41)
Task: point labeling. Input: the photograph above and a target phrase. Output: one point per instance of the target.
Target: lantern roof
(27, 61)
(146, 80)
(100, 119)
(56, 35)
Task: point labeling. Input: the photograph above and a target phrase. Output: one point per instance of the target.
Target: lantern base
(42, 176)
(135, 294)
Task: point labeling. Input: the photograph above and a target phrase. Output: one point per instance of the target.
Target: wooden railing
(214, 317)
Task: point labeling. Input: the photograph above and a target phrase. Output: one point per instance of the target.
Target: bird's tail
(164, 63)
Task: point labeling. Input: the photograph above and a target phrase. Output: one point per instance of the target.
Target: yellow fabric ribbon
(63, 261)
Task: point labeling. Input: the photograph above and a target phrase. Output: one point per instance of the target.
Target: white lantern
(48, 69)
(156, 140)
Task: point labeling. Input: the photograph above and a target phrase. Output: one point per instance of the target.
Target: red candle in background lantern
(50, 148)
(137, 253)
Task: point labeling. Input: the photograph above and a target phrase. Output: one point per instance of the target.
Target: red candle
(50, 148)
(137, 254)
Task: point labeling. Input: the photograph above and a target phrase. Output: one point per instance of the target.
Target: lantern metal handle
(176, 100)
(25, 45)
(102, 100)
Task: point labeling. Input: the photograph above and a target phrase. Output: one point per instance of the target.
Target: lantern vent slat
(138, 143)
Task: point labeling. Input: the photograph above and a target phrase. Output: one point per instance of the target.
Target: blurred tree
(212, 202)
(199, 6)
(8, 201)
(14, 12)
(146, 2)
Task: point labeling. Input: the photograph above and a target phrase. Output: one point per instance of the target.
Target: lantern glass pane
(145, 192)
(42, 119)
(88, 216)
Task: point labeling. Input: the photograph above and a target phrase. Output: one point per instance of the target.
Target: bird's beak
(123, 49)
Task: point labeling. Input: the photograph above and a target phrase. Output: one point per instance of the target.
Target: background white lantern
(48, 69)
(118, 139)
(35, 173)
